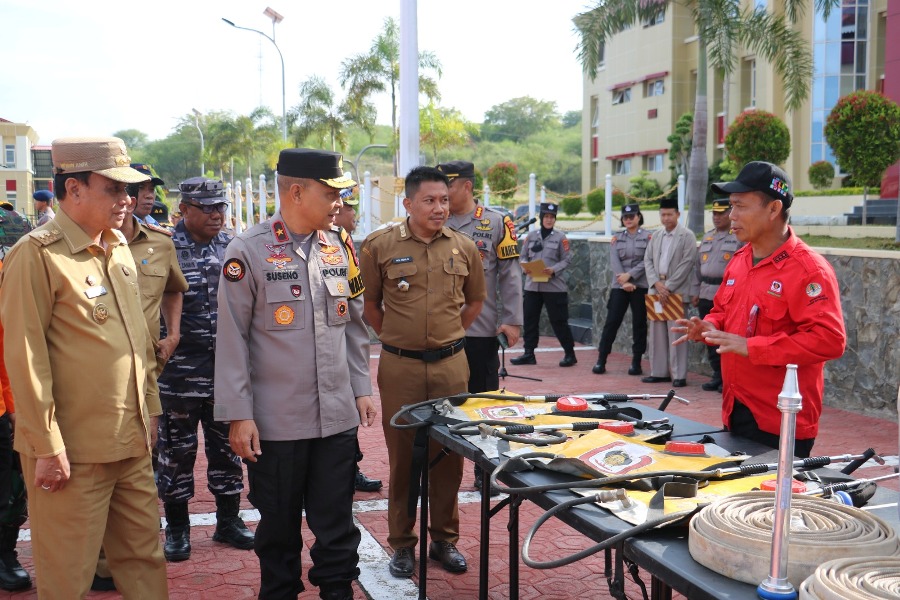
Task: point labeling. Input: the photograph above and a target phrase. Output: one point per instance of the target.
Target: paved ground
(222, 573)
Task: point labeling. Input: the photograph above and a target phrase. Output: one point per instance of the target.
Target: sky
(98, 66)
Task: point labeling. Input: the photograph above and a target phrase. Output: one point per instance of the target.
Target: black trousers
(715, 361)
(13, 505)
(288, 477)
(484, 364)
(744, 424)
(619, 302)
(557, 310)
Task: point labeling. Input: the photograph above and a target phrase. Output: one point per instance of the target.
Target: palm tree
(318, 116)
(246, 136)
(722, 26)
(378, 70)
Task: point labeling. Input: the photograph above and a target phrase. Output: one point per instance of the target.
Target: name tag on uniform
(402, 259)
(95, 291)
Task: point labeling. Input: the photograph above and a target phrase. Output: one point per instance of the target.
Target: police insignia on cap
(100, 313)
(234, 270)
(284, 315)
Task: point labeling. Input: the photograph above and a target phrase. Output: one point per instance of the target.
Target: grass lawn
(868, 243)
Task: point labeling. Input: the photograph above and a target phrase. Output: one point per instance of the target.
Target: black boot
(526, 359)
(230, 528)
(568, 359)
(635, 366)
(713, 385)
(178, 532)
(12, 576)
(600, 367)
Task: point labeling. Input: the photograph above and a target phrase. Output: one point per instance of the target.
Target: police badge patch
(234, 270)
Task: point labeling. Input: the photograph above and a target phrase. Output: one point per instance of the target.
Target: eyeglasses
(209, 209)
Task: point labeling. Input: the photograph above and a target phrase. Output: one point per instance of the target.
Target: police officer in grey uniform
(552, 247)
(292, 376)
(494, 235)
(186, 382)
(629, 286)
(717, 247)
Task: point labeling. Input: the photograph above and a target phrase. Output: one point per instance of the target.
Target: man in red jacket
(779, 304)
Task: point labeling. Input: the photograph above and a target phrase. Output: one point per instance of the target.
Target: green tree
(318, 117)
(519, 118)
(572, 118)
(821, 174)
(596, 201)
(722, 26)
(758, 135)
(245, 136)
(680, 144)
(863, 130)
(502, 178)
(135, 141)
(442, 128)
(378, 71)
(644, 186)
(571, 205)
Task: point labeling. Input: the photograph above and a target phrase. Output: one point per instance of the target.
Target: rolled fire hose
(867, 578)
(733, 536)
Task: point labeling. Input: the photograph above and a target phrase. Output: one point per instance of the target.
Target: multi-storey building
(648, 79)
(16, 164)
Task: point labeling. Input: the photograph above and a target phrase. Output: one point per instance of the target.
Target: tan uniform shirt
(158, 270)
(423, 286)
(292, 350)
(495, 237)
(77, 346)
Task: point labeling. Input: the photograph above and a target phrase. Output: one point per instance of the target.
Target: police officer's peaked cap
(631, 209)
(548, 208)
(325, 167)
(759, 176)
(457, 168)
(720, 205)
(203, 190)
(145, 169)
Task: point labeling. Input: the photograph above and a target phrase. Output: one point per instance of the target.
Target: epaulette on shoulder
(157, 229)
(382, 231)
(45, 237)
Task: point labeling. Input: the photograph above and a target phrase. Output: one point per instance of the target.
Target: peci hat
(457, 168)
(325, 167)
(348, 198)
(669, 203)
(42, 196)
(146, 170)
(203, 190)
(548, 208)
(102, 155)
(759, 176)
(720, 205)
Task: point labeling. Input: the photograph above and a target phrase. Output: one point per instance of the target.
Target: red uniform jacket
(789, 308)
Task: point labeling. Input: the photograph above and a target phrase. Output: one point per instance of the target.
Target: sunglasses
(209, 209)
(629, 217)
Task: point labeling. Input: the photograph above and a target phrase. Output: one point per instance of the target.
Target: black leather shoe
(403, 563)
(449, 557)
(526, 359)
(232, 531)
(635, 369)
(103, 584)
(336, 591)
(679, 382)
(599, 369)
(568, 360)
(655, 379)
(364, 484)
(178, 543)
(12, 576)
(712, 385)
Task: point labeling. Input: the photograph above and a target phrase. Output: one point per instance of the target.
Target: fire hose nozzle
(618, 494)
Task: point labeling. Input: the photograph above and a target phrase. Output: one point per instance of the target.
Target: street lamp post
(276, 18)
(202, 145)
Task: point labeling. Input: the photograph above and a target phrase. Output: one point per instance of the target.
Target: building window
(654, 163)
(656, 19)
(621, 96)
(748, 84)
(622, 166)
(43, 164)
(10, 156)
(601, 53)
(654, 87)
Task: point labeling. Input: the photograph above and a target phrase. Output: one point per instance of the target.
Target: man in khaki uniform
(716, 250)
(669, 262)
(80, 361)
(431, 282)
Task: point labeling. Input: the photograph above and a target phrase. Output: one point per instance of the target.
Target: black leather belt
(711, 280)
(428, 356)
